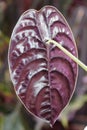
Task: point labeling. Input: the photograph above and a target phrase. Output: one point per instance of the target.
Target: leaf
(43, 76)
(12, 122)
(1, 121)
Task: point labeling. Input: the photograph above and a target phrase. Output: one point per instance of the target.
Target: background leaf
(12, 122)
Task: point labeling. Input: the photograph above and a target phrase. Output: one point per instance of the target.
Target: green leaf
(11, 122)
(1, 121)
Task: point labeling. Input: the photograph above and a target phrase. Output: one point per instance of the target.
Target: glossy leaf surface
(43, 76)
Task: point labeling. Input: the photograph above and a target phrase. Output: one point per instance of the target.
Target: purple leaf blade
(43, 76)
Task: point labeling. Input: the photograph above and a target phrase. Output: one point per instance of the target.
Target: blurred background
(12, 114)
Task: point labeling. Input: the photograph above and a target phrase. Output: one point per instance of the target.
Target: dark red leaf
(43, 76)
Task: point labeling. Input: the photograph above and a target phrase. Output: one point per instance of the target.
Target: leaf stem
(81, 64)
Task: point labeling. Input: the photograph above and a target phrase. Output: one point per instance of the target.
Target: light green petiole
(82, 65)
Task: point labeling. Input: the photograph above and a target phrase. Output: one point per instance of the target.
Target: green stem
(81, 64)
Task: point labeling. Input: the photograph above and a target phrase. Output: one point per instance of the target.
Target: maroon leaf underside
(43, 76)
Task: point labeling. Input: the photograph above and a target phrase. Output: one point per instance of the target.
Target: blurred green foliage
(11, 121)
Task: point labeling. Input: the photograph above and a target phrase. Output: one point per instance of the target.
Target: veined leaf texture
(43, 76)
